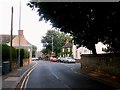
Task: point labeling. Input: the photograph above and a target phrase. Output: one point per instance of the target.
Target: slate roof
(5, 38)
(23, 41)
(68, 45)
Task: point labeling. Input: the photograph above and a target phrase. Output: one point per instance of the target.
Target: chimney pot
(20, 32)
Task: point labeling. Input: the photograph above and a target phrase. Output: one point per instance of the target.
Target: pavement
(13, 79)
(103, 78)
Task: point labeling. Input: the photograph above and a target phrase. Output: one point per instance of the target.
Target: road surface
(61, 75)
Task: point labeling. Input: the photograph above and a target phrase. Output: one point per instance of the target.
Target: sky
(33, 28)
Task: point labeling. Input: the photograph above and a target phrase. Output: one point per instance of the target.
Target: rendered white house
(77, 52)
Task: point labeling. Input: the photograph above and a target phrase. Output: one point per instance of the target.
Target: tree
(89, 23)
(59, 39)
(34, 48)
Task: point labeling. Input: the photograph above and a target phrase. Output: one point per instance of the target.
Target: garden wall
(105, 63)
(15, 63)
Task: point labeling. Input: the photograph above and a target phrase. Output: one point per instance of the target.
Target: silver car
(69, 59)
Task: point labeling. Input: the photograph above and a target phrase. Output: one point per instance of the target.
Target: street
(60, 75)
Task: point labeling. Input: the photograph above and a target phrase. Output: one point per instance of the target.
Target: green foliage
(89, 23)
(14, 53)
(45, 51)
(59, 39)
(6, 52)
(26, 54)
(34, 48)
(23, 53)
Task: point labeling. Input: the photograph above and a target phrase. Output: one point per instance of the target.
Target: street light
(19, 33)
(52, 44)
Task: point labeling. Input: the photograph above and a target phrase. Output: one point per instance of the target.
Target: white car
(34, 59)
(69, 59)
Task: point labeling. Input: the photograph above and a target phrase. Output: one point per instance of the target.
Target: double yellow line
(26, 78)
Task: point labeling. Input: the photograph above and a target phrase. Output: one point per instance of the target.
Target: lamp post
(52, 44)
(19, 33)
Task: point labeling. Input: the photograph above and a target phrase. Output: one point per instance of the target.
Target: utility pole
(11, 38)
(52, 44)
(19, 33)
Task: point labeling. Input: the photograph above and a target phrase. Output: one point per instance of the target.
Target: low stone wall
(25, 62)
(105, 63)
(15, 63)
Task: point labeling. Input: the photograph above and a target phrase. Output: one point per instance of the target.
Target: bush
(5, 51)
(23, 53)
(26, 54)
(14, 53)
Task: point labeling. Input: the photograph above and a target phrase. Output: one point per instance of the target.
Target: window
(63, 49)
(68, 49)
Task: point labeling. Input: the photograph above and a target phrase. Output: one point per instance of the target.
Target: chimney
(67, 41)
(20, 32)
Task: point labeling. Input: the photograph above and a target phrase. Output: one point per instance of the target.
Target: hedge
(26, 54)
(6, 52)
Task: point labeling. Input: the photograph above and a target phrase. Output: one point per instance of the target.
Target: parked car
(69, 59)
(34, 59)
(60, 59)
(53, 59)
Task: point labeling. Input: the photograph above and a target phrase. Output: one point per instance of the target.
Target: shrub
(5, 51)
(26, 54)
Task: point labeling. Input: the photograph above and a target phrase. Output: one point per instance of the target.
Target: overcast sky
(33, 28)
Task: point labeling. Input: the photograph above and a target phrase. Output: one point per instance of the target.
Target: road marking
(23, 83)
(67, 86)
(55, 76)
(25, 80)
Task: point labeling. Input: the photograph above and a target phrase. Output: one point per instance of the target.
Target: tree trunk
(93, 49)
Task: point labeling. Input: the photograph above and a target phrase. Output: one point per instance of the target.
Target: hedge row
(6, 52)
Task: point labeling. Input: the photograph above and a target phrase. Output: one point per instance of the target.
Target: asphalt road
(61, 75)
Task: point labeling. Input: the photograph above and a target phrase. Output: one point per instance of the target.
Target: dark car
(60, 59)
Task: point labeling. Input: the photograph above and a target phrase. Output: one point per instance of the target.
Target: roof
(23, 41)
(5, 38)
(68, 45)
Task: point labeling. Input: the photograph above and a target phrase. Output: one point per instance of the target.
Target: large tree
(59, 39)
(89, 23)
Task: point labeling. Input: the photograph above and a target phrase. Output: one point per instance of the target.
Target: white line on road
(67, 86)
(55, 75)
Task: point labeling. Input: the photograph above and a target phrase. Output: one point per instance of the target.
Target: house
(5, 39)
(67, 49)
(18, 41)
(77, 52)
(71, 50)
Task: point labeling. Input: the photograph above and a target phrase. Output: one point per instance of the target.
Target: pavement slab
(12, 79)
